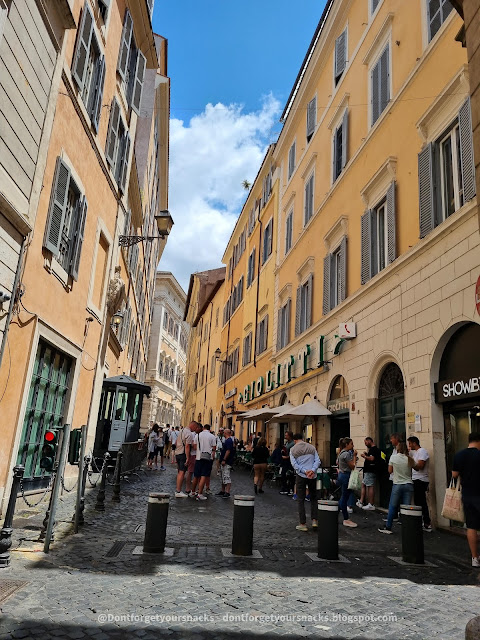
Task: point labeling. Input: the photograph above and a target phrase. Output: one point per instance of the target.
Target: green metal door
(391, 413)
(45, 410)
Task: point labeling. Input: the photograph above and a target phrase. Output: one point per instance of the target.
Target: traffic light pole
(56, 485)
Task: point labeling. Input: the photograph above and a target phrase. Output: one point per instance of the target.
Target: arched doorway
(339, 405)
(391, 417)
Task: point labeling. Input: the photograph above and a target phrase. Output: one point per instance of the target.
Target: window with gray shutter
(138, 82)
(380, 85)
(288, 232)
(438, 11)
(103, 8)
(391, 225)
(311, 118)
(305, 306)
(123, 162)
(308, 211)
(123, 55)
(58, 205)
(291, 160)
(112, 135)
(82, 48)
(326, 284)
(373, 6)
(366, 239)
(298, 311)
(78, 238)
(267, 241)
(340, 55)
(340, 146)
(426, 190)
(96, 110)
(466, 151)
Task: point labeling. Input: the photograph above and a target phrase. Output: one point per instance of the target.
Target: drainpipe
(258, 293)
(208, 353)
(228, 335)
(13, 298)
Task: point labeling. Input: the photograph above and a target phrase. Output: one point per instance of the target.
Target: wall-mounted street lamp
(218, 353)
(164, 226)
(117, 319)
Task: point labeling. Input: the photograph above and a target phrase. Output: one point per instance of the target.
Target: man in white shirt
(420, 478)
(173, 440)
(206, 445)
(183, 446)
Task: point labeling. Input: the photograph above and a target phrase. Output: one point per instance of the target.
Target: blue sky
(232, 66)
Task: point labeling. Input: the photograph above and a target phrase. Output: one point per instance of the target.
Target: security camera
(4, 296)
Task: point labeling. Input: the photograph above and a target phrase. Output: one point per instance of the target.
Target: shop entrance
(339, 405)
(391, 419)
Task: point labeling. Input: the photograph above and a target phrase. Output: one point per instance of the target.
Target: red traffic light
(50, 436)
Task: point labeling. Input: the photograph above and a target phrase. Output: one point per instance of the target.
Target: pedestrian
(160, 449)
(167, 441)
(276, 457)
(466, 464)
(260, 456)
(255, 440)
(371, 467)
(182, 453)
(195, 428)
(400, 465)
(152, 446)
(205, 454)
(227, 457)
(347, 461)
(305, 462)
(395, 438)
(173, 440)
(420, 479)
(288, 475)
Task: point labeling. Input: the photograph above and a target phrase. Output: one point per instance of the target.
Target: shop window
(303, 311)
(380, 84)
(438, 11)
(66, 220)
(88, 68)
(283, 329)
(378, 236)
(446, 171)
(335, 277)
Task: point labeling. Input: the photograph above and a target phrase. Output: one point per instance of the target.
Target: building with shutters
(203, 313)
(167, 354)
(375, 243)
(102, 175)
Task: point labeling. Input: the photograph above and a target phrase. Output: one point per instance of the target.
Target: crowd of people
(195, 449)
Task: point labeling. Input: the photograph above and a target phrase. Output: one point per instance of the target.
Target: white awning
(264, 413)
(312, 409)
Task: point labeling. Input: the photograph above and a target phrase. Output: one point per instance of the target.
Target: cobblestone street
(91, 585)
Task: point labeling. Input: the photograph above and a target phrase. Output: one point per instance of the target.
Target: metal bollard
(242, 538)
(156, 526)
(81, 509)
(100, 504)
(116, 478)
(328, 529)
(7, 529)
(412, 534)
(472, 630)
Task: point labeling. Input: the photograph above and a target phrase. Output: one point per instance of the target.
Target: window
(283, 329)
(247, 349)
(308, 199)
(131, 65)
(88, 68)
(261, 336)
(103, 8)
(373, 6)
(288, 232)
(267, 241)
(165, 319)
(267, 188)
(340, 56)
(66, 220)
(205, 332)
(380, 85)
(438, 11)
(378, 236)
(117, 150)
(303, 311)
(216, 316)
(213, 364)
(251, 221)
(334, 277)
(291, 160)
(251, 268)
(446, 172)
(311, 118)
(229, 368)
(340, 138)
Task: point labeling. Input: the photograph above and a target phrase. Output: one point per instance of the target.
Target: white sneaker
(208, 492)
(350, 509)
(369, 507)
(359, 504)
(180, 494)
(476, 562)
(192, 494)
(201, 497)
(349, 523)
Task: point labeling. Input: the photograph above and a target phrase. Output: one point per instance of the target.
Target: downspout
(228, 336)
(13, 299)
(208, 353)
(258, 294)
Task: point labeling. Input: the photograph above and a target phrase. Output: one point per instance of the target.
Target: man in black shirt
(371, 468)
(466, 464)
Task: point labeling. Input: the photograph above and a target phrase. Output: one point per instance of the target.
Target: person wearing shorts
(227, 457)
(173, 440)
(153, 439)
(206, 444)
(182, 453)
(160, 449)
(195, 428)
(466, 464)
(371, 466)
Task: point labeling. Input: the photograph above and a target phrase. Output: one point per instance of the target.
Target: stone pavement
(92, 586)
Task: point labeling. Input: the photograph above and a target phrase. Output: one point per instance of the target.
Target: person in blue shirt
(305, 462)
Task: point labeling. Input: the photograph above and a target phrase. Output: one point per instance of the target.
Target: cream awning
(312, 409)
(264, 413)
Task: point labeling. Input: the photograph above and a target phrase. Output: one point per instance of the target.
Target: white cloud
(209, 159)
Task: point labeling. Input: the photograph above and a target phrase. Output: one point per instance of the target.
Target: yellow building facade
(371, 290)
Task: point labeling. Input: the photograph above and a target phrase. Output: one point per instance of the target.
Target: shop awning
(312, 409)
(264, 413)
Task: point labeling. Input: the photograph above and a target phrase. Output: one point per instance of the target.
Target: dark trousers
(420, 489)
(302, 484)
(288, 479)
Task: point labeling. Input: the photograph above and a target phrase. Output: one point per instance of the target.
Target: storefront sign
(231, 393)
(340, 404)
(449, 390)
(347, 330)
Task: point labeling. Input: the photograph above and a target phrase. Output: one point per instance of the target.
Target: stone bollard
(472, 630)
(116, 478)
(100, 504)
(7, 529)
(156, 526)
(242, 538)
(412, 534)
(328, 529)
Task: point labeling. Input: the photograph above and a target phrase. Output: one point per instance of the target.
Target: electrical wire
(9, 369)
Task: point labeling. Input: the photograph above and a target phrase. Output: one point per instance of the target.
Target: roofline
(175, 281)
(306, 60)
(213, 292)
(219, 282)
